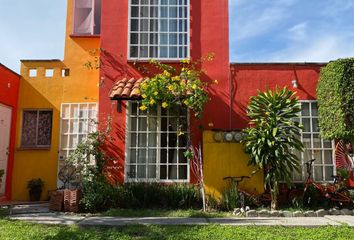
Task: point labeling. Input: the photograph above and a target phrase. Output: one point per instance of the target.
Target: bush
(101, 196)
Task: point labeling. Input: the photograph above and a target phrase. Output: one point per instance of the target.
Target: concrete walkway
(82, 221)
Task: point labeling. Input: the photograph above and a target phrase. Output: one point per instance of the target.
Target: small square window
(33, 72)
(49, 73)
(65, 72)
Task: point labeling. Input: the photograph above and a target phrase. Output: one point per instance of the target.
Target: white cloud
(298, 32)
(322, 48)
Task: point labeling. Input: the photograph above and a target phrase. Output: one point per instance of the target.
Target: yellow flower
(166, 73)
(144, 96)
(143, 107)
(152, 102)
(180, 133)
(156, 93)
(183, 69)
(186, 102)
(170, 87)
(194, 86)
(189, 72)
(164, 104)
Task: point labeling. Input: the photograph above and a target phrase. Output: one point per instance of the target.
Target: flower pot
(35, 195)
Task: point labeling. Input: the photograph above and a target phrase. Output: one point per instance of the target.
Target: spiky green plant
(273, 136)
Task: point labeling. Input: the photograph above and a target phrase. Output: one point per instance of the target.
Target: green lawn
(20, 230)
(164, 213)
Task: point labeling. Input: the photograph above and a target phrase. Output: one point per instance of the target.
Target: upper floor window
(159, 29)
(87, 17)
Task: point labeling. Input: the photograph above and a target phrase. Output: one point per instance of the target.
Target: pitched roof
(126, 88)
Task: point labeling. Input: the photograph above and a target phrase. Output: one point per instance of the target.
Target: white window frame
(312, 149)
(158, 45)
(158, 147)
(68, 149)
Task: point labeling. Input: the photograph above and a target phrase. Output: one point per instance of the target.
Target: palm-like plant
(273, 136)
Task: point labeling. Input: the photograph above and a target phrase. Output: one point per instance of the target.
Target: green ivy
(335, 95)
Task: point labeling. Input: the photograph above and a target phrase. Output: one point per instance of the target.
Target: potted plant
(2, 172)
(35, 187)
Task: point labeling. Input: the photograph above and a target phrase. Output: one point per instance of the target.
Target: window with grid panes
(315, 147)
(156, 141)
(77, 121)
(159, 29)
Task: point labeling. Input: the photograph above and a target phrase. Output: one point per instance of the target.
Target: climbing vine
(176, 86)
(335, 94)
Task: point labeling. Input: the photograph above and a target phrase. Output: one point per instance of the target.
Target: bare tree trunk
(274, 190)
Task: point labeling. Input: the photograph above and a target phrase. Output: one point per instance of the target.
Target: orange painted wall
(49, 93)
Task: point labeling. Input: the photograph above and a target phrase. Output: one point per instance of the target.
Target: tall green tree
(335, 95)
(273, 137)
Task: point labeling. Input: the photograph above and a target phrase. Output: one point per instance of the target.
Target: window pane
(144, 11)
(154, 12)
(316, 141)
(314, 109)
(318, 156)
(328, 157)
(172, 172)
(315, 127)
(305, 109)
(173, 12)
(318, 173)
(163, 172)
(329, 172)
(134, 38)
(144, 38)
(142, 124)
(173, 39)
(134, 25)
(152, 156)
(173, 26)
(173, 52)
(163, 52)
(164, 25)
(306, 123)
(152, 171)
(163, 156)
(134, 51)
(182, 172)
(142, 139)
(141, 171)
(164, 38)
(134, 11)
(131, 171)
(29, 128)
(132, 156)
(142, 156)
(172, 156)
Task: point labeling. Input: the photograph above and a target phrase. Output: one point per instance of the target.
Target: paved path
(56, 218)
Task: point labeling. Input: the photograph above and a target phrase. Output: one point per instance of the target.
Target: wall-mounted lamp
(294, 83)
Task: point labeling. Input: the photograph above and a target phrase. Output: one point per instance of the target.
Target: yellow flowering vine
(173, 86)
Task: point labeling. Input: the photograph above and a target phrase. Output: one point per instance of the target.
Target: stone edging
(310, 213)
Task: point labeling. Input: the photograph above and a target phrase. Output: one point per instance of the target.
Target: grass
(21, 230)
(164, 213)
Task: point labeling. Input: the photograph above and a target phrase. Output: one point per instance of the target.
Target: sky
(260, 30)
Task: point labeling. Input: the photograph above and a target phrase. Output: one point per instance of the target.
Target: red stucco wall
(209, 33)
(248, 78)
(9, 87)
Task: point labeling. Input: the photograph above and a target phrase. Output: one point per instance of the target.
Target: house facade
(58, 99)
(9, 87)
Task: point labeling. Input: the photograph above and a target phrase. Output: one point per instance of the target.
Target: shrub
(101, 196)
(335, 95)
(273, 137)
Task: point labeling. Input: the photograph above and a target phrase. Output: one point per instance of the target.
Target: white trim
(312, 148)
(158, 147)
(158, 32)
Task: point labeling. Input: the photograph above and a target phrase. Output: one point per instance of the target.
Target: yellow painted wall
(49, 93)
(222, 159)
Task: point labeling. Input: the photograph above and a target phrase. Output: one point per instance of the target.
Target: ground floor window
(156, 141)
(36, 128)
(77, 120)
(315, 147)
